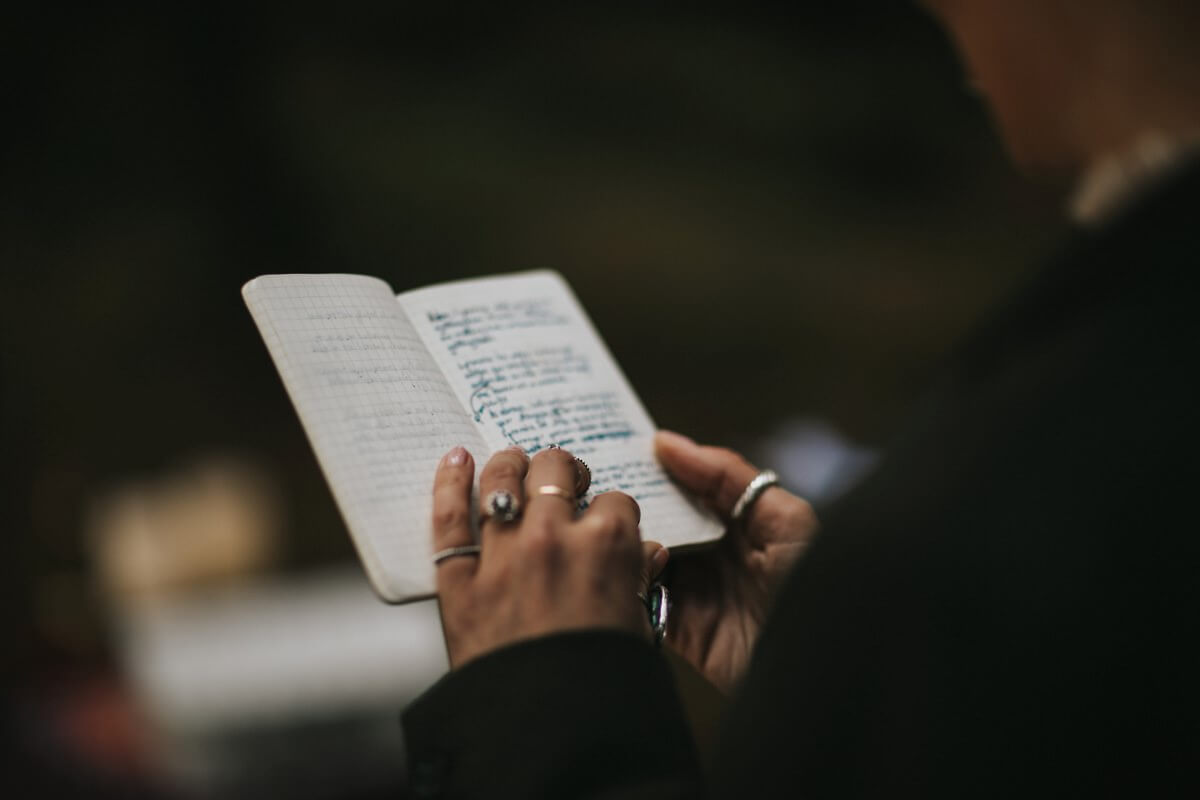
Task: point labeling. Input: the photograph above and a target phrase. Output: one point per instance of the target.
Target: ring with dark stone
(658, 606)
(501, 505)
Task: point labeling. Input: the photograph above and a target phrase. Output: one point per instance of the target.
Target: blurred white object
(254, 685)
(278, 649)
(286, 686)
(814, 460)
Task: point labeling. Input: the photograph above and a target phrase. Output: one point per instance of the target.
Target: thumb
(717, 475)
(654, 558)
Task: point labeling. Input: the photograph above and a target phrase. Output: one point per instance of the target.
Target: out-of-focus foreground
(774, 216)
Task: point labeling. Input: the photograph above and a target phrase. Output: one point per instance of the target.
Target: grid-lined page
(376, 408)
(532, 371)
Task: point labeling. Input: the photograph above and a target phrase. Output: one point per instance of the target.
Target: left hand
(549, 571)
(722, 593)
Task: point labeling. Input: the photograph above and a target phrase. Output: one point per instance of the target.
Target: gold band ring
(557, 491)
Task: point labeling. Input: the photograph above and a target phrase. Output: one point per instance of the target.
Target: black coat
(1008, 606)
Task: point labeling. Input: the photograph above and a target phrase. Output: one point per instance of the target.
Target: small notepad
(385, 385)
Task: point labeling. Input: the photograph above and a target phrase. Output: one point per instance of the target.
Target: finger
(654, 559)
(612, 512)
(551, 467)
(717, 475)
(452, 516)
(505, 471)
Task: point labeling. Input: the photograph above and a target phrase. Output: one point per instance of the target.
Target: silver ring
(583, 473)
(451, 552)
(760, 483)
(583, 476)
(502, 505)
(658, 606)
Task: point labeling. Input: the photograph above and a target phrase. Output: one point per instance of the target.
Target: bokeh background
(781, 217)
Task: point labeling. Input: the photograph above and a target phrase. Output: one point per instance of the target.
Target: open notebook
(386, 384)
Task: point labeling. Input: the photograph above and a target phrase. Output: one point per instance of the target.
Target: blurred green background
(771, 211)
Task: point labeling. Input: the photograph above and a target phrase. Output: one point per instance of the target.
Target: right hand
(720, 596)
(552, 570)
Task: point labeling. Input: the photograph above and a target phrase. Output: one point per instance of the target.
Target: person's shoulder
(1142, 257)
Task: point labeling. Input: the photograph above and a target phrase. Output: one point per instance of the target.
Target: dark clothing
(1009, 606)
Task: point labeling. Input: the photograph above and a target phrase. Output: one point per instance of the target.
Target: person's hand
(551, 570)
(721, 595)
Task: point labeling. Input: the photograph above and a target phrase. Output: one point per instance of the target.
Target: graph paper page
(376, 408)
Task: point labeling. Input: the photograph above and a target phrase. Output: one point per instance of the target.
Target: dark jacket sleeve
(581, 714)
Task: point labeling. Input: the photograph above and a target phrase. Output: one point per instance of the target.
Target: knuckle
(487, 586)
(503, 470)
(634, 508)
(605, 530)
(802, 512)
(450, 516)
(555, 455)
(539, 541)
(615, 496)
(452, 479)
(789, 512)
(607, 526)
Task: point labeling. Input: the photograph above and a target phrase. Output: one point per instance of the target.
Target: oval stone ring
(502, 506)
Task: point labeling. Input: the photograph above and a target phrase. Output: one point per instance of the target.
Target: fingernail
(659, 560)
(516, 448)
(456, 457)
(677, 439)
